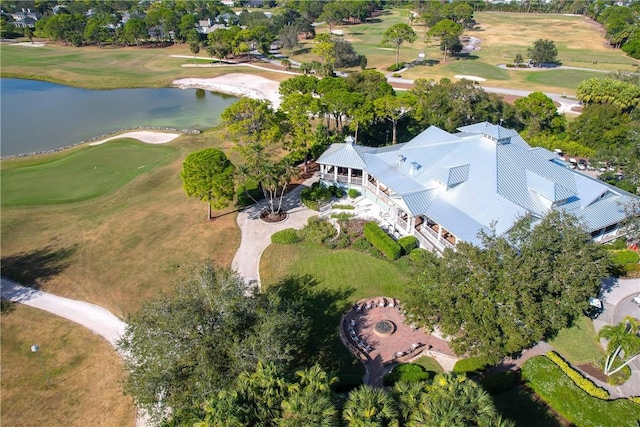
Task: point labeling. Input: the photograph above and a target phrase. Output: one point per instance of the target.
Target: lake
(39, 116)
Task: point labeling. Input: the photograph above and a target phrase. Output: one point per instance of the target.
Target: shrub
(361, 244)
(419, 255)
(342, 216)
(336, 191)
(500, 382)
(635, 399)
(317, 230)
(617, 244)
(584, 383)
(345, 207)
(311, 197)
(285, 237)
(396, 67)
(382, 241)
(408, 243)
(353, 193)
(407, 372)
(472, 364)
(624, 256)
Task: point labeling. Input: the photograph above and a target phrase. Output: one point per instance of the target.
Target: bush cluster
(617, 244)
(396, 67)
(317, 230)
(408, 244)
(382, 241)
(624, 257)
(353, 193)
(407, 372)
(317, 193)
(472, 364)
(584, 383)
(345, 207)
(287, 236)
(342, 216)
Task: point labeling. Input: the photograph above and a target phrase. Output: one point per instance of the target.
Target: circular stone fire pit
(384, 328)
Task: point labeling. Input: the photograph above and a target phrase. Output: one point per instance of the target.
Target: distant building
(445, 188)
(25, 18)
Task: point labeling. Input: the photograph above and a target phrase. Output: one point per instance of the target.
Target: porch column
(335, 173)
(410, 222)
(322, 171)
(349, 176)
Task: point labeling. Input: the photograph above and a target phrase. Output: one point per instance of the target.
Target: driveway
(617, 296)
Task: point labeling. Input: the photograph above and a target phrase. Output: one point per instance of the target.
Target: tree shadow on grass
(324, 308)
(521, 405)
(35, 268)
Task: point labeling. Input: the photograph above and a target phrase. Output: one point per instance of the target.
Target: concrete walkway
(93, 317)
(256, 234)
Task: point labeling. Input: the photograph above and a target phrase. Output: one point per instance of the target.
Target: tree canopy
(183, 348)
(516, 290)
(209, 176)
(448, 32)
(398, 34)
(543, 52)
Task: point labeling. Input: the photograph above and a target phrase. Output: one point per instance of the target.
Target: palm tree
(370, 407)
(622, 337)
(456, 400)
(265, 390)
(410, 397)
(307, 408)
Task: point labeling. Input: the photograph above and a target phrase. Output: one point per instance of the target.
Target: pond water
(39, 116)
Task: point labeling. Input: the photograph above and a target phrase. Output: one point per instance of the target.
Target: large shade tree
(448, 32)
(543, 52)
(515, 290)
(209, 176)
(183, 348)
(396, 35)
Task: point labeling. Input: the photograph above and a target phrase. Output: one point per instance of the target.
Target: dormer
(458, 175)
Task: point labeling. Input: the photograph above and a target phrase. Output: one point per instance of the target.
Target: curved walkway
(256, 235)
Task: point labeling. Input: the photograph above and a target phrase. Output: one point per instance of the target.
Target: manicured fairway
(84, 174)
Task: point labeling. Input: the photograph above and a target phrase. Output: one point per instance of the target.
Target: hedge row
(584, 383)
(382, 241)
(624, 256)
(408, 244)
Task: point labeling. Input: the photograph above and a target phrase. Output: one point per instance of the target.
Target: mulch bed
(594, 371)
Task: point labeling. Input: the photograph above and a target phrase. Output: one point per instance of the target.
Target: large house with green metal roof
(447, 187)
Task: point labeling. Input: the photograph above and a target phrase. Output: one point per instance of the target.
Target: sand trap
(240, 84)
(149, 137)
(28, 44)
(472, 78)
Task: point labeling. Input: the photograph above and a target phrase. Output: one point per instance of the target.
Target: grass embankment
(578, 344)
(84, 371)
(550, 383)
(119, 248)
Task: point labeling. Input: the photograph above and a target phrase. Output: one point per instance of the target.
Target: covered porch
(345, 175)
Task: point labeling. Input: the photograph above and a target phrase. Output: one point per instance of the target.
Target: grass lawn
(578, 344)
(110, 68)
(328, 282)
(555, 388)
(356, 274)
(125, 246)
(83, 174)
(84, 370)
(429, 364)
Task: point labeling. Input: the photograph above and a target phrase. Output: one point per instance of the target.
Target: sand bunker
(472, 78)
(149, 137)
(239, 84)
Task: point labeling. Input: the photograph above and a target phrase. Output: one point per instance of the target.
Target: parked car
(636, 299)
(595, 308)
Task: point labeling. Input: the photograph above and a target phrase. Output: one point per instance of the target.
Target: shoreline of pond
(99, 137)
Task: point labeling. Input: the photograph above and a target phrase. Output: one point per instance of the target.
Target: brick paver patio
(378, 351)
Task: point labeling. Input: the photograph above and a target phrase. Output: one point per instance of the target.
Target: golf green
(83, 174)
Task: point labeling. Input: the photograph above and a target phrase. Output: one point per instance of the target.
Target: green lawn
(429, 364)
(327, 282)
(355, 274)
(578, 344)
(569, 79)
(81, 175)
(555, 388)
